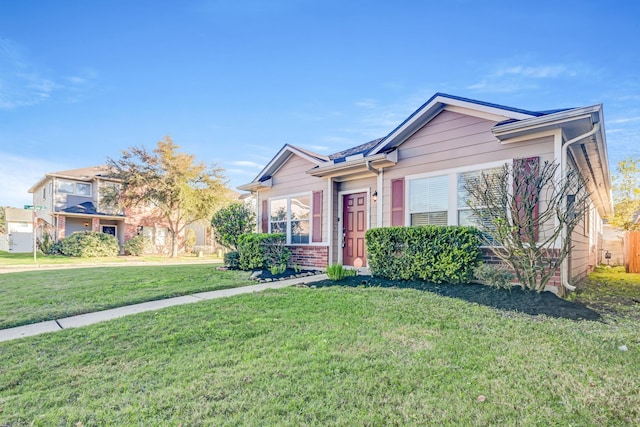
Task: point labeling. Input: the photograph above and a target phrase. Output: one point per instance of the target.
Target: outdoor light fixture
(86, 223)
(374, 196)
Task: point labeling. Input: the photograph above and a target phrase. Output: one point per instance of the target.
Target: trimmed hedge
(262, 250)
(432, 253)
(89, 244)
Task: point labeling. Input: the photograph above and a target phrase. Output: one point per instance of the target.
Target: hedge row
(432, 253)
(261, 250)
(89, 244)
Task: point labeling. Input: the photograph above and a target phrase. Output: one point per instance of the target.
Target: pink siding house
(413, 176)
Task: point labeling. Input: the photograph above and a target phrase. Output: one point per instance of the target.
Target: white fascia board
(548, 120)
(440, 103)
(278, 160)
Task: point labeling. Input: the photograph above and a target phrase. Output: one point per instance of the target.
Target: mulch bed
(517, 299)
(263, 276)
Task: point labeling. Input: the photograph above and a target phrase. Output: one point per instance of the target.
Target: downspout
(564, 271)
(371, 168)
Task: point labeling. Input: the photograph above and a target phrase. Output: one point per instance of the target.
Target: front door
(354, 227)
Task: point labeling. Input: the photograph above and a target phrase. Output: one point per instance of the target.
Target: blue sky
(232, 81)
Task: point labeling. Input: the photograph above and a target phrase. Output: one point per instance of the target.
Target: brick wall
(489, 258)
(309, 256)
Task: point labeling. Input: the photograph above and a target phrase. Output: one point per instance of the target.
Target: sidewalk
(114, 313)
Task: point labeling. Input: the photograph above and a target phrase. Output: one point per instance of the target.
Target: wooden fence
(632, 251)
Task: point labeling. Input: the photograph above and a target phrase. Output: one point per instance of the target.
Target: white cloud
(18, 174)
(626, 120)
(23, 84)
(367, 103)
(246, 163)
(537, 72)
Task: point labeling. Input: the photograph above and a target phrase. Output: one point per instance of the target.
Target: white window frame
(75, 187)
(452, 173)
(288, 198)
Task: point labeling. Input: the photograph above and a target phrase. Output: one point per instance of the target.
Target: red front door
(354, 227)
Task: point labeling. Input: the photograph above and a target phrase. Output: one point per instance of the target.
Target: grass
(34, 296)
(26, 259)
(611, 291)
(330, 355)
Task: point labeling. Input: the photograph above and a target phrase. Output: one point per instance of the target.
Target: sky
(232, 81)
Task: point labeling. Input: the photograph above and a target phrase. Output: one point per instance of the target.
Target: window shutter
(317, 217)
(525, 192)
(397, 201)
(265, 216)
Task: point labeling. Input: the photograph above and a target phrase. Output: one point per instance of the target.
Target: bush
(89, 244)
(45, 243)
(231, 222)
(137, 245)
(189, 240)
(495, 275)
(261, 250)
(432, 253)
(338, 272)
(232, 259)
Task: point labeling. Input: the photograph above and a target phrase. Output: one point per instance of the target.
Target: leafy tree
(3, 221)
(626, 195)
(232, 221)
(511, 204)
(170, 183)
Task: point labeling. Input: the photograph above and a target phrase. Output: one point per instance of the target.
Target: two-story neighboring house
(72, 203)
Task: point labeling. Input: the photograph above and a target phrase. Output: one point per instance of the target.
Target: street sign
(34, 208)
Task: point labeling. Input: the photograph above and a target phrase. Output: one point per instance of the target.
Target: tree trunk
(174, 245)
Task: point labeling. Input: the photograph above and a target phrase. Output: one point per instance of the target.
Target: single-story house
(72, 203)
(19, 231)
(414, 176)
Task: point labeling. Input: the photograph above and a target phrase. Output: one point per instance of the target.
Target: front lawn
(34, 296)
(26, 259)
(328, 355)
(611, 291)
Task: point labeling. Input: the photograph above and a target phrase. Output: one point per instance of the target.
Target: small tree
(169, 183)
(626, 195)
(511, 204)
(189, 240)
(3, 223)
(231, 222)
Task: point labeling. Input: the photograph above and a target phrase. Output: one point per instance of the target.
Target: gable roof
(441, 101)
(263, 179)
(82, 174)
(18, 215)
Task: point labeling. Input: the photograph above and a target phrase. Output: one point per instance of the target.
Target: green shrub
(495, 275)
(278, 269)
(232, 259)
(137, 245)
(261, 250)
(337, 272)
(89, 244)
(45, 243)
(431, 253)
(189, 240)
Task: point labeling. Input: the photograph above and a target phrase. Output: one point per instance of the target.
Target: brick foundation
(309, 256)
(489, 258)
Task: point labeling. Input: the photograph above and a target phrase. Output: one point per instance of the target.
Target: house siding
(453, 140)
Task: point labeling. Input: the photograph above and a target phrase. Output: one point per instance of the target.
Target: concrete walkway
(114, 313)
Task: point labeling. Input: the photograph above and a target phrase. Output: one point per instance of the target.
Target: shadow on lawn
(528, 302)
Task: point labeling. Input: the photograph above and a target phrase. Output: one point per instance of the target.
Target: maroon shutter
(397, 201)
(317, 217)
(265, 216)
(521, 168)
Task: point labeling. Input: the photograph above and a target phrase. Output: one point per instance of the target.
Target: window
(78, 188)
(465, 214)
(83, 189)
(429, 200)
(442, 199)
(291, 216)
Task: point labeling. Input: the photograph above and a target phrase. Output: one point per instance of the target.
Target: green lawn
(322, 356)
(26, 259)
(611, 290)
(33, 296)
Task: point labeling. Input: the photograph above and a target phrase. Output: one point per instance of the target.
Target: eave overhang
(355, 168)
(589, 153)
(87, 215)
